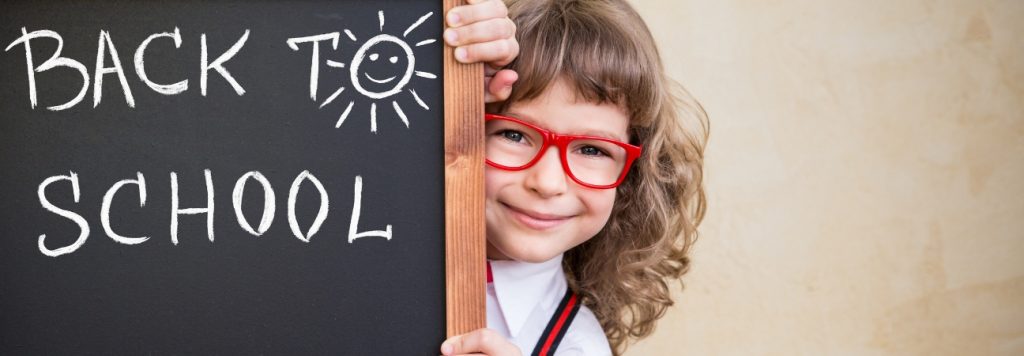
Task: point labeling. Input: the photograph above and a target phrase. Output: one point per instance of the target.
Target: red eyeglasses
(590, 161)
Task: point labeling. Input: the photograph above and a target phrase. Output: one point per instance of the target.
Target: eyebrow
(586, 132)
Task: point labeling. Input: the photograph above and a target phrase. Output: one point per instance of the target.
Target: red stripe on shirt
(490, 277)
(558, 325)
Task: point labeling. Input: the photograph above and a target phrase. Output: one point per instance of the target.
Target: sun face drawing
(381, 69)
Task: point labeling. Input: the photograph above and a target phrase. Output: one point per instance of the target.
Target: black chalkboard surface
(226, 177)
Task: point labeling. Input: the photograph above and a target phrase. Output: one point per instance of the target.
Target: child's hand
(482, 32)
(477, 342)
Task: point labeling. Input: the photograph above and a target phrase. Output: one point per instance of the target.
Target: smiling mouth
(534, 220)
(378, 81)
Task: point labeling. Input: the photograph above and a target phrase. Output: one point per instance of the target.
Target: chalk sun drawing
(377, 85)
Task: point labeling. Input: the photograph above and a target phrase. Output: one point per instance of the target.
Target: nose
(546, 177)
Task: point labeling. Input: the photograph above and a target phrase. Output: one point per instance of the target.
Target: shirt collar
(520, 287)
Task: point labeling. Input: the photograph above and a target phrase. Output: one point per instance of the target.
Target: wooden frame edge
(465, 229)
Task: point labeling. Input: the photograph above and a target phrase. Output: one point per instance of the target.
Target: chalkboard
(231, 177)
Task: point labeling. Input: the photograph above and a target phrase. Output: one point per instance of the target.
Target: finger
(506, 77)
(485, 341)
(501, 96)
(448, 346)
(475, 12)
(483, 31)
(499, 87)
(495, 53)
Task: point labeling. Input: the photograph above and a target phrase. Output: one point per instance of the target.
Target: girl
(594, 193)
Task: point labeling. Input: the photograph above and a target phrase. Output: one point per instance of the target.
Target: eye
(393, 59)
(374, 56)
(512, 135)
(592, 151)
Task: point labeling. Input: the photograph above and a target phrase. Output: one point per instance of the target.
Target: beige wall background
(865, 174)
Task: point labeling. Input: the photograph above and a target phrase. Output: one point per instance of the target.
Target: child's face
(539, 212)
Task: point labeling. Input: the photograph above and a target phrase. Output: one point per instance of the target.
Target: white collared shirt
(522, 299)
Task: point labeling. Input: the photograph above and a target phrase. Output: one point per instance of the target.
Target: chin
(535, 259)
(531, 256)
(525, 246)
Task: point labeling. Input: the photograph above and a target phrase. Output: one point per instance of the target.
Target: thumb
(499, 88)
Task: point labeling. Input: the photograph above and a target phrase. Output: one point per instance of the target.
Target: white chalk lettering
(140, 65)
(218, 64)
(268, 202)
(105, 209)
(321, 214)
(353, 227)
(100, 71)
(175, 210)
(53, 62)
(314, 67)
(78, 219)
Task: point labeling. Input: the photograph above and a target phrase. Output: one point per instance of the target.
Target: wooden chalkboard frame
(463, 192)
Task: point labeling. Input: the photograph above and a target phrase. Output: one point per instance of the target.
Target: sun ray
(418, 100)
(425, 42)
(332, 97)
(380, 15)
(426, 75)
(417, 23)
(373, 117)
(344, 115)
(401, 114)
(334, 64)
(350, 35)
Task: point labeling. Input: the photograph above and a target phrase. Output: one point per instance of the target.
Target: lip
(378, 81)
(534, 220)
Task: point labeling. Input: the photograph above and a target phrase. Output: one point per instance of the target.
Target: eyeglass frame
(562, 143)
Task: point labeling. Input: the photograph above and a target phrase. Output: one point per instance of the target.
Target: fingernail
(460, 54)
(446, 349)
(453, 19)
(451, 36)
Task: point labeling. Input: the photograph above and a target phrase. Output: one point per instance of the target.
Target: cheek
(494, 179)
(490, 183)
(599, 205)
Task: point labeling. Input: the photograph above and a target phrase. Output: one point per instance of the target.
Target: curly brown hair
(603, 49)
